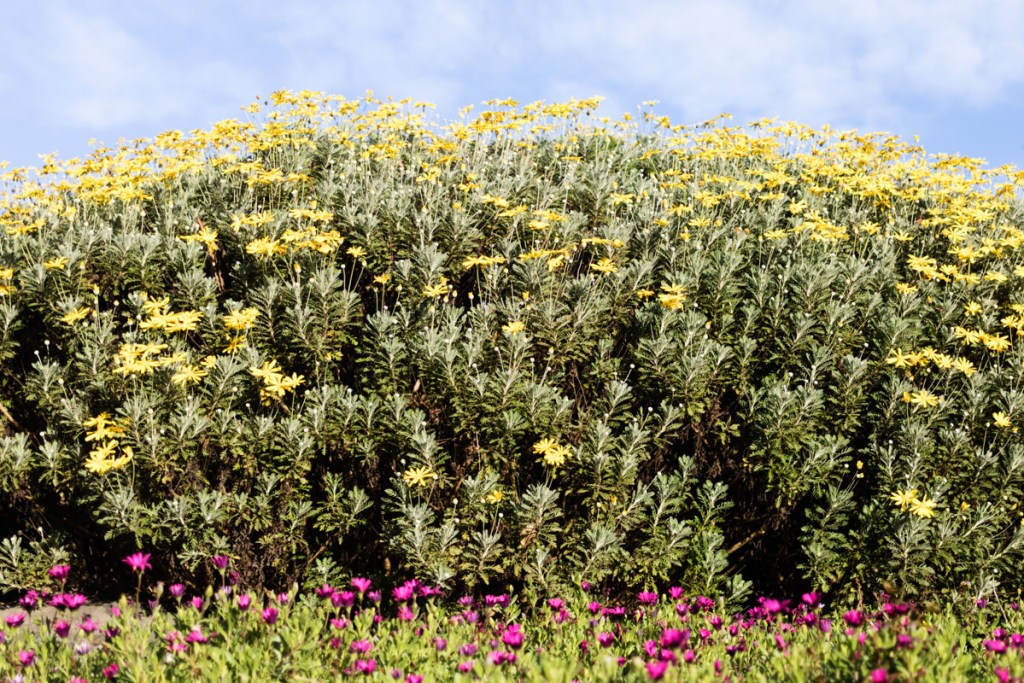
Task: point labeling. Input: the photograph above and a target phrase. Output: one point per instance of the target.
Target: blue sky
(951, 71)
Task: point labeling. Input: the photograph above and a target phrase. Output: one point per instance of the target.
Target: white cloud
(108, 65)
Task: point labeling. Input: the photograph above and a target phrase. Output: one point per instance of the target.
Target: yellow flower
(923, 507)
(556, 457)
(965, 366)
(205, 236)
(514, 211)
(440, 289)
(98, 464)
(56, 263)
(268, 369)
(673, 296)
(482, 261)
(235, 343)
(644, 293)
(898, 358)
(76, 315)
(419, 476)
(188, 374)
(494, 497)
(997, 343)
(241, 319)
(924, 399)
(972, 308)
(1001, 419)
(513, 327)
(356, 252)
(126, 457)
(605, 265)
(382, 279)
(904, 498)
(104, 450)
(554, 454)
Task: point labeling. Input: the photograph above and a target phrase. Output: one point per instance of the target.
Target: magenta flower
(405, 614)
(197, 603)
(673, 637)
(414, 678)
(219, 561)
(87, 626)
(853, 618)
(499, 657)
(605, 638)
(361, 646)
(994, 645)
(556, 603)
(343, 598)
(513, 636)
(496, 600)
(15, 620)
(339, 623)
(404, 592)
(70, 601)
(62, 628)
(440, 644)
(243, 602)
(111, 671)
(269, 615)
(361, 584)
(468, 650)
(176, 589)
(29, 600)
(879, 676)
(465, 667)
(656, 670)
(26, 657)
(60, 572)
(139, 562)
(196, 636)
(366, 666)
(647, 598)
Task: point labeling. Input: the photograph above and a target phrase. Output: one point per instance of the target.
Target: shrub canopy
(526, 346)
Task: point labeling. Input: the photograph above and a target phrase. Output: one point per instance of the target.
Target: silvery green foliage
(750, 430)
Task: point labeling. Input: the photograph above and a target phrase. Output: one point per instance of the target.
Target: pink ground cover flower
(656, 670)
(60, 571)
(139, 562)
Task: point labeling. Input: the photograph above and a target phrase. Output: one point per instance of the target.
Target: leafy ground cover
(415, 633)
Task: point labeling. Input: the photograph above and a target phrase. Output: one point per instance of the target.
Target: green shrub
(523, 348)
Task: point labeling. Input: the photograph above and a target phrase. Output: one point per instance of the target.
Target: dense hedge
(528, 346)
